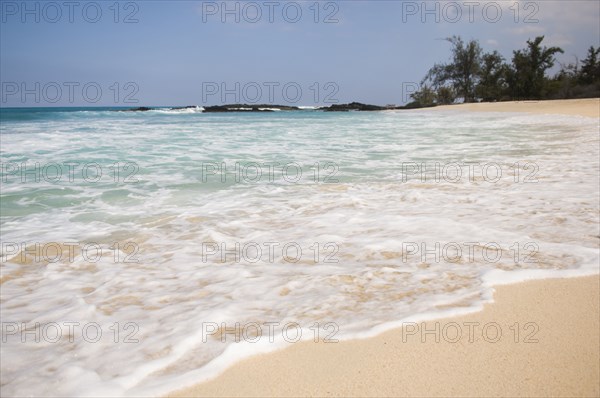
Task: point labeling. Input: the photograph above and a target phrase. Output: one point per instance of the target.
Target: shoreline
(538, 337)
(561, 313)
(588, 107)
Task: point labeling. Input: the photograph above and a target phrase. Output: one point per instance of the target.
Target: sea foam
(363, 195)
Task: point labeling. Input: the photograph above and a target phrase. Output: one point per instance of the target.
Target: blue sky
(182, 53)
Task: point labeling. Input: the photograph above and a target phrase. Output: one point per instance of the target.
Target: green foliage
(492, 82)
(527, 76)
(427, 96)
(445, 96)
(463, 72)
(473, 75)
(590, 67)
(424, 97)
(574, 82)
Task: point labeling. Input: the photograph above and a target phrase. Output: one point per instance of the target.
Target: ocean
(147, 251)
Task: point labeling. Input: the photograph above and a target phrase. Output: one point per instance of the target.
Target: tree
(445, 95)
(424, 97)
(564, 83)
(590, 67)
(493, 76)
(463, 72)
(528, 75)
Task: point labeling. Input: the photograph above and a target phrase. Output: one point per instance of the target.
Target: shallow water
(157, 232)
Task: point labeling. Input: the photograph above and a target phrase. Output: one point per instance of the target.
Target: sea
(143, 252)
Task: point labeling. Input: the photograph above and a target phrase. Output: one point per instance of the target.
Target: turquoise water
(137, 218)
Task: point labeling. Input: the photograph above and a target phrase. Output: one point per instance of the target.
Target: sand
(581, 107)
(556, 351)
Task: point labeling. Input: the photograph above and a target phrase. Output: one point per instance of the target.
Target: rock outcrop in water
(145, 108)
(353, 106)
(178, 108)
(140, 109)
(249, 108)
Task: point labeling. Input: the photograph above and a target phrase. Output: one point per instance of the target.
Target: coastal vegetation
(472, 75)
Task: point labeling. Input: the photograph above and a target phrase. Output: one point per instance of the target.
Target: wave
(172, 208)
(179, 111)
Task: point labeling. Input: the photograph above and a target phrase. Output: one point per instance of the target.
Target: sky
(178, 53)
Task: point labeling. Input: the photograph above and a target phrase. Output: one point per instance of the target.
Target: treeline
(473, 75)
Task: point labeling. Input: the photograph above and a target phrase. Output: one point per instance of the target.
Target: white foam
(370, 213)
(179, 111)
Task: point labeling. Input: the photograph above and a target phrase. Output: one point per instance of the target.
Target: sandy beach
(268, 199)
(581, 107)
(538, 338)
(555, 353)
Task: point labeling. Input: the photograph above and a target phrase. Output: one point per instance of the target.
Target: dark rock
(184, 107)
(140, 109)
(416, 105)
(353, 106)
(249, 108)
